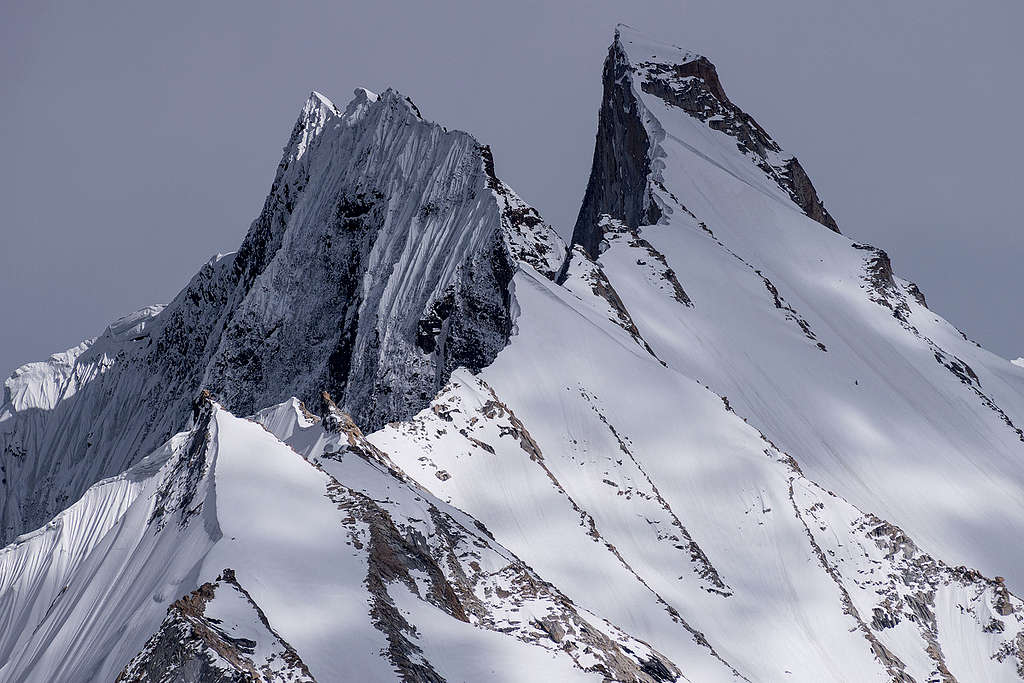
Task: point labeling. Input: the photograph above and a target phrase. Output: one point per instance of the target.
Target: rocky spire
(621, 181)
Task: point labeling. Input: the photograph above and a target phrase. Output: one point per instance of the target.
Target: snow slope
(227, 535)
(880, 453)
(650, 502)
(814, 340)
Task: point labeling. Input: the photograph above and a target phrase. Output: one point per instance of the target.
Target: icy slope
(226, 552)
(380, 263)
(809, 335)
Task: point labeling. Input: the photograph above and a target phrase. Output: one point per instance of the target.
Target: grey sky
(140, 138)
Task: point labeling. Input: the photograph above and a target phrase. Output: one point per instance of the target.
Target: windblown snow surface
(724, 443)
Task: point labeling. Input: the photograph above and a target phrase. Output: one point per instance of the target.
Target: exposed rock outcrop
(216, 634)
(416, 543)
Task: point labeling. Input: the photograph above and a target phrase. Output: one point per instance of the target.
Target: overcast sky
(140, 138)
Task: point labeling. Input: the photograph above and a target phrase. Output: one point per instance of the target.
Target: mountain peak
(652, 457)
(647, 54)
(381, 261)
(312, 118)
(398, 99)
(652, 90)
(366, 94)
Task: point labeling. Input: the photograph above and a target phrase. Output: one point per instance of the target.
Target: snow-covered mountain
(380, 262)
(713, 440)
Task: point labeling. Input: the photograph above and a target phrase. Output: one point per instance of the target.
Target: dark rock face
(618, 175)
(803, 193)
(918, 295)
(371, 248)
(480, 321)
(175, 499)
(882, 287)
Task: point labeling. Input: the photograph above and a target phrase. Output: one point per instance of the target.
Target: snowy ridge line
(330, 443)
(217, 639)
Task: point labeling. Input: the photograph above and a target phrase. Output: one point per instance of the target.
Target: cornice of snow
(635, 44)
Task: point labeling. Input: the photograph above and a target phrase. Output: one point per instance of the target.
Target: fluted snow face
(380, 262)
(376, 216)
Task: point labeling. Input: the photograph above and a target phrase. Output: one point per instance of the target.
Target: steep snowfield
(648, 501)
(862, 406)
